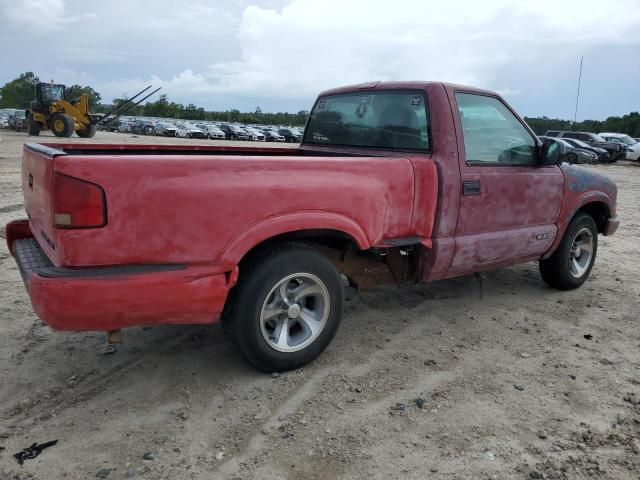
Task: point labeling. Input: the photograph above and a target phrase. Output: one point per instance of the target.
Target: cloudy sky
(279, 54)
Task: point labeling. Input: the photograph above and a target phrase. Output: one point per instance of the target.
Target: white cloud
(239, 53)
(36, 17)
(310, 45)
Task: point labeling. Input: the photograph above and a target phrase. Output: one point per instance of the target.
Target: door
(509, 204)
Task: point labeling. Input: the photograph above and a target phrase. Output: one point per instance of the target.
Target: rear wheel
(570, 265)
(62, 125)
(34, 127)
(87, 132)
(286, 307)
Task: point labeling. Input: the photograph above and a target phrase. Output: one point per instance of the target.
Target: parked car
(165, 129)
(125, 126)
(233, 132)
(254, 134)
(272, 136)
(143, 127)
(291, 135)
(11, 120)
(212, 132)
(602, 155)
(20, 121)
(616, 151)
(113, 126)
(573, 154)
(4, 121)
(186, 130)
(631, 145)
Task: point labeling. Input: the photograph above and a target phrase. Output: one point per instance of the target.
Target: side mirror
(552, 153)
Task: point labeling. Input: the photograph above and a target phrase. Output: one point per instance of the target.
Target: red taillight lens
(77, 204)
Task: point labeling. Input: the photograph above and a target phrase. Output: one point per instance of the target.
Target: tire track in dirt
(11, 208)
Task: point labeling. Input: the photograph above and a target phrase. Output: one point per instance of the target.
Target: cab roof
(405, 85)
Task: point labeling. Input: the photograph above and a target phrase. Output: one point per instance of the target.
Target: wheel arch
(598, 210)
(595, 204)
(321, 227)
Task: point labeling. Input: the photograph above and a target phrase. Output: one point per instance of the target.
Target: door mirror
(552, 153)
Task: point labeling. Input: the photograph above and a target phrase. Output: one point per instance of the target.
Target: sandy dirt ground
(518, 381)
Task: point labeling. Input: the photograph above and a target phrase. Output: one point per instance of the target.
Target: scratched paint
(580, 179)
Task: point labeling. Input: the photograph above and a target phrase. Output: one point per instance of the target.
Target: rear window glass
(395, 120)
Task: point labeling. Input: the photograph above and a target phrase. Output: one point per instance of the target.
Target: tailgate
(37, 175)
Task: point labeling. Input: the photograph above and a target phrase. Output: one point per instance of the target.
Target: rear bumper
(611, 226)
(110, 298)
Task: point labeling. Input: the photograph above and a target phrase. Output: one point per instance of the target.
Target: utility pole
(575, 114)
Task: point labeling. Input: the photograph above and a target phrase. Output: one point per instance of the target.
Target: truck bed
(209, 205)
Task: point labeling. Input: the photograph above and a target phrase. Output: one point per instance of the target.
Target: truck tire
(286, 307)
(571, 263)
(34, 127)
(87, 132)
(61, 125)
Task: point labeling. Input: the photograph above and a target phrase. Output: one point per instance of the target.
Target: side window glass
(492, 134)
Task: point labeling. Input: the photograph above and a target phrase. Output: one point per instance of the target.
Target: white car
(631, 145)
(255, 134)
(184, 130)
(124, 127)
(211, 131)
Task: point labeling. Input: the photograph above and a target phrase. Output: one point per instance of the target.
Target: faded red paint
(205, 207)
(194, 295)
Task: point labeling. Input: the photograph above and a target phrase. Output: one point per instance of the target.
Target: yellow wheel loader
(52, 111)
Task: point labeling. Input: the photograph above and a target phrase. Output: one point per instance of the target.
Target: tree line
(163, 108)
(629, 124)
(19, 92)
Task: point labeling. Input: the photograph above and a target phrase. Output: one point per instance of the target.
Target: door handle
(471, 187)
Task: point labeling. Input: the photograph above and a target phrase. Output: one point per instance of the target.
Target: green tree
(159, 108)
(19, 92)
(73, 92)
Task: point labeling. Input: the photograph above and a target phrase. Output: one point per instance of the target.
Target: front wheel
(286, 307)
(570, 265)
(87, 132)
(62, 125)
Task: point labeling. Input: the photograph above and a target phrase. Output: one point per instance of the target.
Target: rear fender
(271, 227)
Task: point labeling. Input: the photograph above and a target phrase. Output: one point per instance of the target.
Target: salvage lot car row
(582, 147)
(587, 147)
(202, 129)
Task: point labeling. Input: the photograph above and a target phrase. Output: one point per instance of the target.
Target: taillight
(77, 204)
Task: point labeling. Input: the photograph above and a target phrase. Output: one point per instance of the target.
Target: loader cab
(48, 93)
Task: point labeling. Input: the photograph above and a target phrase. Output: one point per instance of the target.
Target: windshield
(52, 93)
(579, 143)
(598, 138)
(627, 139)
(395, 119)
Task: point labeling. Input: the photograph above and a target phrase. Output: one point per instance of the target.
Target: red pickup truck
(393, 182)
